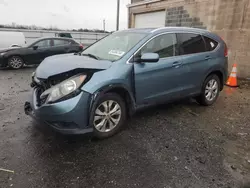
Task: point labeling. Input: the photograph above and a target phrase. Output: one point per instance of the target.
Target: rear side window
(73, 42)
(44, 43)
(210, 43)
(190, 43)
(60, 42)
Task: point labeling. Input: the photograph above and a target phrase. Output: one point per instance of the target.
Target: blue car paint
(53, 65)
(146, 83)
(189, 76)
(163, 72)
(74, 110)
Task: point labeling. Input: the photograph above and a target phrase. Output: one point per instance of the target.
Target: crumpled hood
(63, 63)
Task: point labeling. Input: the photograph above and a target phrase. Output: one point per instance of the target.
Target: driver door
(160, 81)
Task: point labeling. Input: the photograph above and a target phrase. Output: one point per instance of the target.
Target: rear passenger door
(61, 46)
(196, 60)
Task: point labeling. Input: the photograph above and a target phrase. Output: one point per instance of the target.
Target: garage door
(152, 19)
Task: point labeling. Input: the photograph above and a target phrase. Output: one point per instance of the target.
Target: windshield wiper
(92, 56)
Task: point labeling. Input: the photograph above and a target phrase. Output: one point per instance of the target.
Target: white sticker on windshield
(116, 52)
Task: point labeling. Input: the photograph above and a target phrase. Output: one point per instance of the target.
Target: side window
(190, 43)
(210, 43)
(72, 42)
(60, 42)
(43, 44)
(164, 45)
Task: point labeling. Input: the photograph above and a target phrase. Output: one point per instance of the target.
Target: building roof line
(142, 3)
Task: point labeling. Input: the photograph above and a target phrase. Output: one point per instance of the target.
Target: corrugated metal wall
(85, 38)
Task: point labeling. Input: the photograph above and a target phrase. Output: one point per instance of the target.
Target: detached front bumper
(67, 117)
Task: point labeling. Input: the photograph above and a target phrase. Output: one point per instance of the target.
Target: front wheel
(210, 90)
(108, 115)
(15, 62)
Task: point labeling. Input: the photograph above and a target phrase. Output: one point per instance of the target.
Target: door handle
(177, 64)
(207, 57)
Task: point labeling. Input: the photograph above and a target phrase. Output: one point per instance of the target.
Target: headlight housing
(2, 54)
(63, 89)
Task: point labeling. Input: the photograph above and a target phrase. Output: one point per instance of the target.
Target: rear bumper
(67, 117)
(226, 74)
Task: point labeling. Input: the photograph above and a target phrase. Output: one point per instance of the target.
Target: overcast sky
(64, 14)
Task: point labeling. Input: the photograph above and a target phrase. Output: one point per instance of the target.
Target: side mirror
(150, 57)
(35, 47)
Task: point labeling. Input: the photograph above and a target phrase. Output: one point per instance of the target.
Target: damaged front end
(60, 103)
(58, 99)
(60, 77)
(60, 87)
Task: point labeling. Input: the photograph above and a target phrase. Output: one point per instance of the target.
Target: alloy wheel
(107, 116)
(16, 62)
(211, 90)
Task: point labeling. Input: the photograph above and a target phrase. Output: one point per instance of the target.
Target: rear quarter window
(190, 43)
(73, 42)
(58, 42)
(210, 43)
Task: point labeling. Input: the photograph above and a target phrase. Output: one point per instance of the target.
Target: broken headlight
(63, 89)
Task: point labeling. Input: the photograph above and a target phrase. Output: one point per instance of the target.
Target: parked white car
(11, 39)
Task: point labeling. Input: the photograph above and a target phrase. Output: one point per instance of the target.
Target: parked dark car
(36, 52)
(97, 90)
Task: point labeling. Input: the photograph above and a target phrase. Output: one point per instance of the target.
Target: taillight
(225, 48)
(81, 46)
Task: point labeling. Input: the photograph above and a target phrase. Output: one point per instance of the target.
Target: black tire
(15, 62)
(107, 97)
(202, 98)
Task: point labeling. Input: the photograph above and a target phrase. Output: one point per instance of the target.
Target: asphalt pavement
(178, 145)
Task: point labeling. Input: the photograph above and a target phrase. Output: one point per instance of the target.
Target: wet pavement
(178, 145)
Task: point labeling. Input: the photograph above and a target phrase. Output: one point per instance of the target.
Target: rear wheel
(15, 62)
(210, 90)
(108, 115)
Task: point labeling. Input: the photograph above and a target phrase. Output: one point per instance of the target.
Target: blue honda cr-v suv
(96, 90)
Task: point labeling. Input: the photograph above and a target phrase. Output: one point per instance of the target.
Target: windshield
(114, 46)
